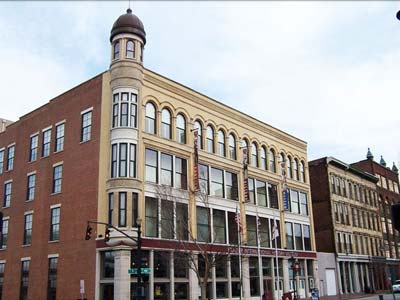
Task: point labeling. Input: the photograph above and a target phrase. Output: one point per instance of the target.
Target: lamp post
(295, 268)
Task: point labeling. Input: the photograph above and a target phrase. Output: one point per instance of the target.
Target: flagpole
(276, 257)
(260, 272)
(239, 250)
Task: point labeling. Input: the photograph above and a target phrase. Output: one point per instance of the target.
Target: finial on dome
(382, 162)
(394, 168)
(369, 154)
(129, 11)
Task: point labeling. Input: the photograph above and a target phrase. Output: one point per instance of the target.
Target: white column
(362, 277)
(193, 283)
(357, 287)
(275, 291)
(350, 277)
(151, 277)
(285, 275)
(260, 272)
(228, 269)
(213, 283)
(367, 275)
(98, 271)
(122, 280)
(172, 276)
(246, 277)
(339, 277)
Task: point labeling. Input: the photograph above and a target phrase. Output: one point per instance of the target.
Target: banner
(245, 176)
(285, 190)
(196, 162)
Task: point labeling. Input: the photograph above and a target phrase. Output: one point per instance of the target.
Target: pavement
(362, 297)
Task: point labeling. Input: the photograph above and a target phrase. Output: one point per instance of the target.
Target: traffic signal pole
(140, 295)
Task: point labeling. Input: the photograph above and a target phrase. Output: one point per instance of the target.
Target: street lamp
(295, 268)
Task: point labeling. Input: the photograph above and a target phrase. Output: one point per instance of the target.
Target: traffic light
(107, 235)
(88, 232)
(396, 216)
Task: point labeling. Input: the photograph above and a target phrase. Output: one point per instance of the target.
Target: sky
(325, 72)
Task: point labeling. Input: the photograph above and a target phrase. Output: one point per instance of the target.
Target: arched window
(166, 123)
(221, 143)
(254, 155)
(302, 175)
(180, 129)
(263, 156)
(296, 169)
(130, 49)
(210, 139)
(271, 155)
(197, 125)
(289, 167)
(150, 118)
(116, 50)
(232, 147)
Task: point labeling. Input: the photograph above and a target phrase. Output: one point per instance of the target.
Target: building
(348, 228)
(388, 194)
(120, 149)
(3, 124)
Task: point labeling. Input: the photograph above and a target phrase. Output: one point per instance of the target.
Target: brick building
(346, 201)
(388, 194)
(108, 149)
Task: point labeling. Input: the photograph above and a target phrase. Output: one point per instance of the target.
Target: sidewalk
(361, 297)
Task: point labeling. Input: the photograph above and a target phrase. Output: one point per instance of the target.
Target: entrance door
(268, 289)
(330, 282)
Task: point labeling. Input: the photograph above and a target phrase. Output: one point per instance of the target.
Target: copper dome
(128, 23)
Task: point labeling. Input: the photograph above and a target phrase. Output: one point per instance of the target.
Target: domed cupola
(128, 23)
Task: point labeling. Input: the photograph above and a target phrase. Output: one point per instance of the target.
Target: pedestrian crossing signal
(88, 233)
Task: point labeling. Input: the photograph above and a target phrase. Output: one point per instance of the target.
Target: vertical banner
(285, 191)
(196, 161)
(245, 177)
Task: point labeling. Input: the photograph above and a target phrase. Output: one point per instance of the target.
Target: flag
(275, 230)
(237, 220)
(196, 161)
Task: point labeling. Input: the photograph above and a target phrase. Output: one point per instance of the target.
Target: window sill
(57, 193)
(6, 207)
(3, 249)
(45, 156)
(83, 142)
(55, 152)
(31, 161)
(25, 246)
(55, 241)
(29, 200)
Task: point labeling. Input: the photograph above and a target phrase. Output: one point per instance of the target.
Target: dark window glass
(232, 147)
(263, 155)
(122, 209)
(167, 219)
(124, 112)
(261, 193)
(107, 264)
(166, 124)
(7, 194)
(4, 234)
(33, 148)
(135, 209)
(221, 143)
(232, 229)
(294, 201)
(166, 169)
(210, 139)
(1, 161)
(116, 50)
(115, 110)
(55, 224)
(123, 156)
(203, 178)
(254, 155)
(203, 224)
(114, 151)
(251, 230)
(132, 160)
(52, 279)
(57, 179)
(23, 291)
(180, 129)
(86, 128)
(130, 49)
(182, 224)
(271, 155)
(252, 195)
(254, 276)
(180, 173)
(307, 239)
(298, 237)
(219, 226)
(28, 229)
(289, 235)
(10, 158)
(151, 217)
(161, 264)
(2, 265)
(46, 143)
(303, 204)
(110, 208)
(264, 232)
(59, 145)
(217, 183)
(151, 166)
(231, 186)
(150, 118)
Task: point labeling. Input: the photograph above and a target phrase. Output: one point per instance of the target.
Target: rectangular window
(110, 208)
(10, 158)
(1, 161)
(135, 209)
(59, 145)
(132, 160)
(294, 201)
(52, 279)
(261, 193)
(203, 224)
(151, 217)
(181, 221)
(303, 204)
(7, 194)
(114, 161)
(122, 209)
(307, 239)
(167, 219)
(217, 183)
(133, 110)
(333, 184)
(231, 186)
(151, 166)
(23, 291)
(166, 169)
(219, 226)
(4, 234)
(28, 229)
(289, 236)
(350, 190)
(57, 179)
(123, 156)
(273, 195)
(124, 111)
(30, 192)
(251, 230)
(203, 178)
(34, 141)
(46, 136)
(298, 237)
(180, 173)
(115, 110)
(264, 231)
(55, 224)
(86, 127)
(252, 196)
(2, 265)
(232, 228)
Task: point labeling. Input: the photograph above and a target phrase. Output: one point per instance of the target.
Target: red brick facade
(78, 197)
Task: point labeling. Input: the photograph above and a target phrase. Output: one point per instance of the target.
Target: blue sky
(326, 72)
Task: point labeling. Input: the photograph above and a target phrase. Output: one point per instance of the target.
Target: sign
(314, 294)
(196, 162)
(145, 271)
(82, 286)
(285, 194)
(245, 177)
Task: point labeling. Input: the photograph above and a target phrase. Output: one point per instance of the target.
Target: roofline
(227, 106)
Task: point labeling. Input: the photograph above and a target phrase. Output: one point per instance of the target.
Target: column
(339, 277)
(362, 277)
(246, 277)
(228, 270)
(343, 271)
(261, 275)
(193, 283)
(350, 277)
(172, 275)
(285, 267)
(151, 277)
(367, 275)
(122, 280)
(357, 287)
